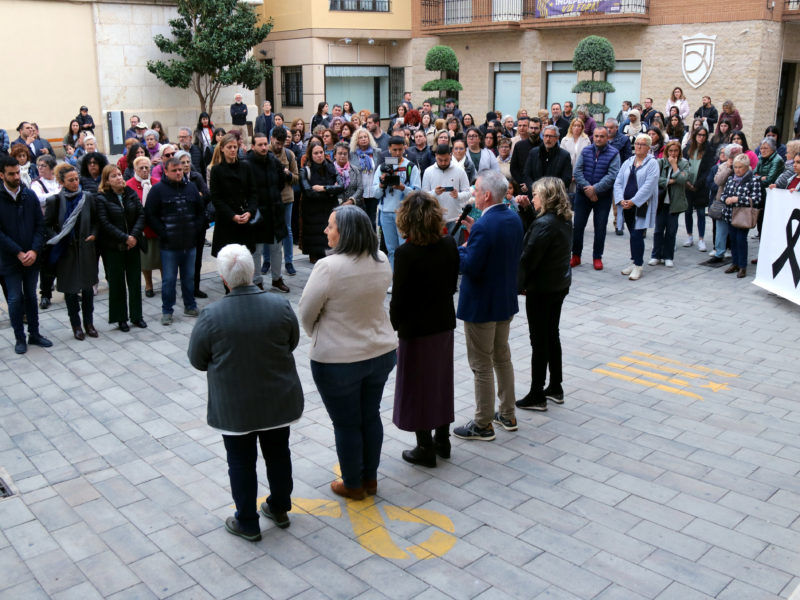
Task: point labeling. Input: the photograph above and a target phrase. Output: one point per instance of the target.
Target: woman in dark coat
(701, 157)
(425, 275)
(71, 224)
(121, 218)
(233, 193)
(92, 165)
(320, 196)
(544, 276)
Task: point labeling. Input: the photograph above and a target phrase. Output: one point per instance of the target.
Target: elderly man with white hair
(245, 342)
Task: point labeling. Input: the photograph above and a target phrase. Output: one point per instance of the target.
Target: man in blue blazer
(487, 303)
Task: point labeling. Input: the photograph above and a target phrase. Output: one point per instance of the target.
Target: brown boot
(338, 487)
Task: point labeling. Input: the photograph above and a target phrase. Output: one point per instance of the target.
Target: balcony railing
(361, 5)
(467, 15)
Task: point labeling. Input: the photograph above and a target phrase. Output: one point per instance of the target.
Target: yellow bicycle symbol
(370, 528)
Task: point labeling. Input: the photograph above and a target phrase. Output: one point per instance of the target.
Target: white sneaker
(689, 242)
(627, 270)
(636, 272)
(701, 245)
(668, 263)
(653, 262)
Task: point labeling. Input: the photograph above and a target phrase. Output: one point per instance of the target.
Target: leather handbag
(744, 217)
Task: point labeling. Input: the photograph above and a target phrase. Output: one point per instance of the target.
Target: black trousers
(80, 303)
(198, 258)
(242, 451)
(544, 315)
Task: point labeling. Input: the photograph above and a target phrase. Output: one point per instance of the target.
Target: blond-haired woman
(544, 277)
(574, 143)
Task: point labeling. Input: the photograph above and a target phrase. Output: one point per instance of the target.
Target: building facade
(336, 50)
(518, 53)
(94, 52)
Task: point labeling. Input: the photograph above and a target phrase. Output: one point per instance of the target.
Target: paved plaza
(670, 473)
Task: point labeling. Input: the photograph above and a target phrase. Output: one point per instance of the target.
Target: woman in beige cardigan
(353, 345)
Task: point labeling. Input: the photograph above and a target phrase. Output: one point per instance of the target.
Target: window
(457, 11)
(560, 80)
(292, 86)
(507, 87)
(362, 5)
(397, 84)
(627, 80)
(367, 87)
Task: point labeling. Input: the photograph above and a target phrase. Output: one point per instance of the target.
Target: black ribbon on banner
(789, 253)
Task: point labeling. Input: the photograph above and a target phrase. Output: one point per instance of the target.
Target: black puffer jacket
(546, 249)
(175, 212)
(119, 220)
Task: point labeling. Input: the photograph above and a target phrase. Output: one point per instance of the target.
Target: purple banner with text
(563, 8)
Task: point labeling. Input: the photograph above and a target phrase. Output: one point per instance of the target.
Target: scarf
(737, 180)
(365, 163)
(72, 211)
(146, 185)
(343, 174)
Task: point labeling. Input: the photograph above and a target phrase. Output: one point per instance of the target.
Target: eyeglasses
(165, 155)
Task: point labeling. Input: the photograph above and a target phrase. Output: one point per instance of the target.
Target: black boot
(441, 441)
(423, 453)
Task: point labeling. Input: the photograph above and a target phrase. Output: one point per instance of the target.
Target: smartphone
(449, 188)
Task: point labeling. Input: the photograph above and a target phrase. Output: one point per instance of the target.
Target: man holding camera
(395, 178)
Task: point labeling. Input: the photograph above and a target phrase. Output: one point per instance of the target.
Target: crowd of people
(503, 203)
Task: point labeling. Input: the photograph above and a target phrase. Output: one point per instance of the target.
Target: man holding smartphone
(449, 183)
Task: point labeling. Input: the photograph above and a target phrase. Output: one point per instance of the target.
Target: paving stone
(393, 582)
(55, 571)
(30, 540)
(623, 545)
(77, 491)
(13, 568)
(626, 574)
(268, 574)
(216, 576)
(748, 571)
(161, 575)
(717, 535)
(709, 511)
(233, 550)
(561, 545)
(79, 541)
(449, 580)
(678, 591)
(669, 540)
(107, 573)
(13, 512)
(129, 543)
(688, 572)
(178, 544)
(574, 579)
(652, 511)
(737, 590)
(84, 591)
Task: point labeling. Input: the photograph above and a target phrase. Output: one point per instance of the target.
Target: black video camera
(390, 170)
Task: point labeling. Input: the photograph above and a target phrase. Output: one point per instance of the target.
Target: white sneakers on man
(668, 263)
(628, 270)
(636, 272)
(653, 262)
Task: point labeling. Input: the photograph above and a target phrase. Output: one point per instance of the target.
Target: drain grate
(5, 489)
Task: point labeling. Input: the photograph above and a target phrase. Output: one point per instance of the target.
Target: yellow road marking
(695, 367)
(658, 376)
(664, 368)
(659, 386)
(715, 387)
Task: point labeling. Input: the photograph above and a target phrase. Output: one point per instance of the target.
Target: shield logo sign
(698, 58)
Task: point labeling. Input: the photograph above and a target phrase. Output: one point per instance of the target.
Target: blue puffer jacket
(598, 169)
(21, 227)
(176, 213)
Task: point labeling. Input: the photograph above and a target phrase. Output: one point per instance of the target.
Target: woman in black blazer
(121, 219)
(422, 312)
(544, 276)
(233, 193)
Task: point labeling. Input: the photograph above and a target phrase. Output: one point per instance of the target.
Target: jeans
(584, 206)
(637, 236)
(738, 245)
(544, 315)
(21, 295)
(352, 395)
(665, 233)
(80, 303)
(701, 221)
(488, 353)
(391, 235)
(124, 275)
(171, 262)
(242, 451)
(721, 239)
(271, 252)
(288, 241)
(371, 208)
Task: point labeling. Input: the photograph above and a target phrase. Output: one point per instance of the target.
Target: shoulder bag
(745, 217)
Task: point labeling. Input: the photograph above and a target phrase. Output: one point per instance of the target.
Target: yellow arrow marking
(658, 386)
(658, 376)
(367, 525)
(715, 387)
(695, 367)
(317, 507)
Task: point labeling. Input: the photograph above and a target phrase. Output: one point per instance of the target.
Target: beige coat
(342, 309)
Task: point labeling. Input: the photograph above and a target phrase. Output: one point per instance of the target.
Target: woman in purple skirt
(422, 312)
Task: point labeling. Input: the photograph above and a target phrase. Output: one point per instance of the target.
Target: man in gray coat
(245, 342)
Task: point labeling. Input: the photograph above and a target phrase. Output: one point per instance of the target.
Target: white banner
(779, 248)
